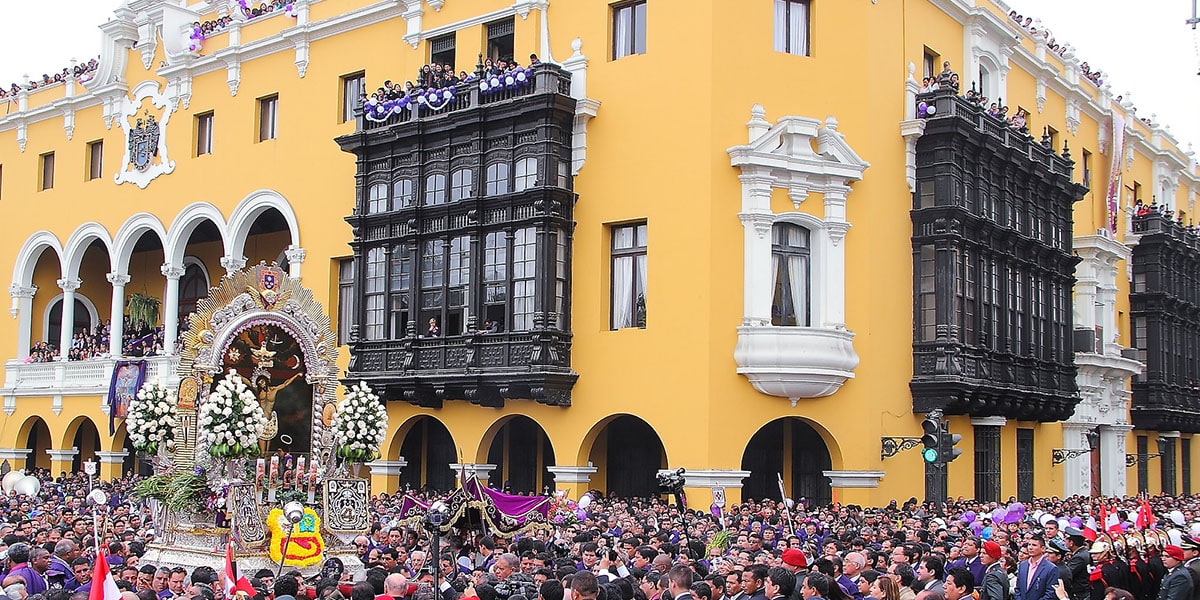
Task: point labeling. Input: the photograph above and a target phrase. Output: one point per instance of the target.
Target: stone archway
(790, 447)
(34, 436)
(521, 450)
(628, 455)
(429, 450)
(82, 435)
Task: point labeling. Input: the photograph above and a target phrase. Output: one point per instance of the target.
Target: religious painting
(271, 361)
(127, 379)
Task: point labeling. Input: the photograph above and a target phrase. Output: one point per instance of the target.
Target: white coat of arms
(145, 135)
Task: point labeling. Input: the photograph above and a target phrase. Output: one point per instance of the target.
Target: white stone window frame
(804, 156)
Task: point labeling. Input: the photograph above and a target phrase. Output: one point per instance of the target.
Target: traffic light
(932, 428)
(948, 451)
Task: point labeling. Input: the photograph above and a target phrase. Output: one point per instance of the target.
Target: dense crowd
(440, 77)
(1073, 548)
(80, 72)
(138, 339)
(998, 110)
(1141, 209)
(1030, 25)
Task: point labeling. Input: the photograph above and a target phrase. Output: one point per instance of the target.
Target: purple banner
(127, 378)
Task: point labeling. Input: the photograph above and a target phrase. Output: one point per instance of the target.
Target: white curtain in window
(776, 309)
(798, 278)
(622, 24)
(798, 29)
(622, 300)
(781, 25)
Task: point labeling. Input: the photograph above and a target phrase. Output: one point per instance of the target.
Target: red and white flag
(234, 581)
(104, 587)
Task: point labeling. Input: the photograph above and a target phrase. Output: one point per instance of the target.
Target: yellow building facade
(710, 123)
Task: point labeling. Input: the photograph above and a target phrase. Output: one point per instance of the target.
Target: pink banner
(1118, 167)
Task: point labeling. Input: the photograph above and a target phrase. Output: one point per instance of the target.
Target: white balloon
(1195, 528)
(28, 486)
(1063, 524)
(1176, 536)
(1176, 517)
(11, 478)
(931, 109)
(585, 500)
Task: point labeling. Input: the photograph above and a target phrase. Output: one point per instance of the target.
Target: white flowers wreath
(359, 425)
(151, 418)
(231, 419)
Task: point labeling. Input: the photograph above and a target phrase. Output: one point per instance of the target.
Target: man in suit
(780, 583)
(1177, 585)
(995, 579)
(970, 558)
(680, 583)
(752, 582)
(930, 571)
(1036, 576)
(1078, 586)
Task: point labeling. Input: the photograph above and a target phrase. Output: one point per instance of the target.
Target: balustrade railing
(80, 377)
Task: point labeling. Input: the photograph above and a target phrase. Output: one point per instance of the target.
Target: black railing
(543, 78)
(491, 352)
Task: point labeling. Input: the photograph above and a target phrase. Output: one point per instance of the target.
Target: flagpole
(787, 515)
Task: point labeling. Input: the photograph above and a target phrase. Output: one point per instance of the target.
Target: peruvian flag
(1112, 522)
(104, 587)
(234, 581)
(1145, 516)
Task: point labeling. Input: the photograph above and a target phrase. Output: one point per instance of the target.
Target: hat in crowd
(1057, 546)
(795, 558)
(1073, 532)
(1189, 543)
(1100, 548)
(1174, 552)
(992, 549)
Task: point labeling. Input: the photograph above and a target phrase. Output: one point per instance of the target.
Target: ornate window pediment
(803, 156)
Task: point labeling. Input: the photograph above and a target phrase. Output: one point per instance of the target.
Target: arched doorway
(521, 452)
(82, 320)
(193, 286)
(429, 451)
(791, 448)
(38, 442)
(267, 238)
(87, 441)
(630, 453)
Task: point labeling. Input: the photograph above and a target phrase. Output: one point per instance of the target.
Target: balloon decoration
(10, 479)
(968, 517)
(999, 515)
(28, 486)
(585, 501)
(1176, 517)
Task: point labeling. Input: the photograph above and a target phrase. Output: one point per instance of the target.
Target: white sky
(1143, 47)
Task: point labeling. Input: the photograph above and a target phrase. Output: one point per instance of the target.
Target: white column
(1077, 472)
(1112, 459)
(171, 307)
(757, 220)
(834, 309)
(388, 467)
(112, 458)
(480, 470)
(116, 328)
(572, 474)
(233, 263)
(295, 256)
(68, 315)
(22, 309)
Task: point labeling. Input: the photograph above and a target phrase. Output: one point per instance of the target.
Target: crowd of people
(1141, 209)
(949, 79)
(438, 77)
(138, 340)
(1073, 548)
(82, 72)
(1030, 25)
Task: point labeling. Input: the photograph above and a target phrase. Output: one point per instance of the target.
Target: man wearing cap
(1191, 550)
(1177, 585)
(1105, 573)
(1077, 564)
(995, 579)
(1055, 550)
(794, 560)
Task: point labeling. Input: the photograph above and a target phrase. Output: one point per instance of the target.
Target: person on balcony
(434, 330)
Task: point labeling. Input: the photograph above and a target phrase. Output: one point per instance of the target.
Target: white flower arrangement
(231, 419)
(151, 419)
(359, 425)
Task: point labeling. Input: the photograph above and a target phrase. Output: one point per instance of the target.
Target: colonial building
(646, 248)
